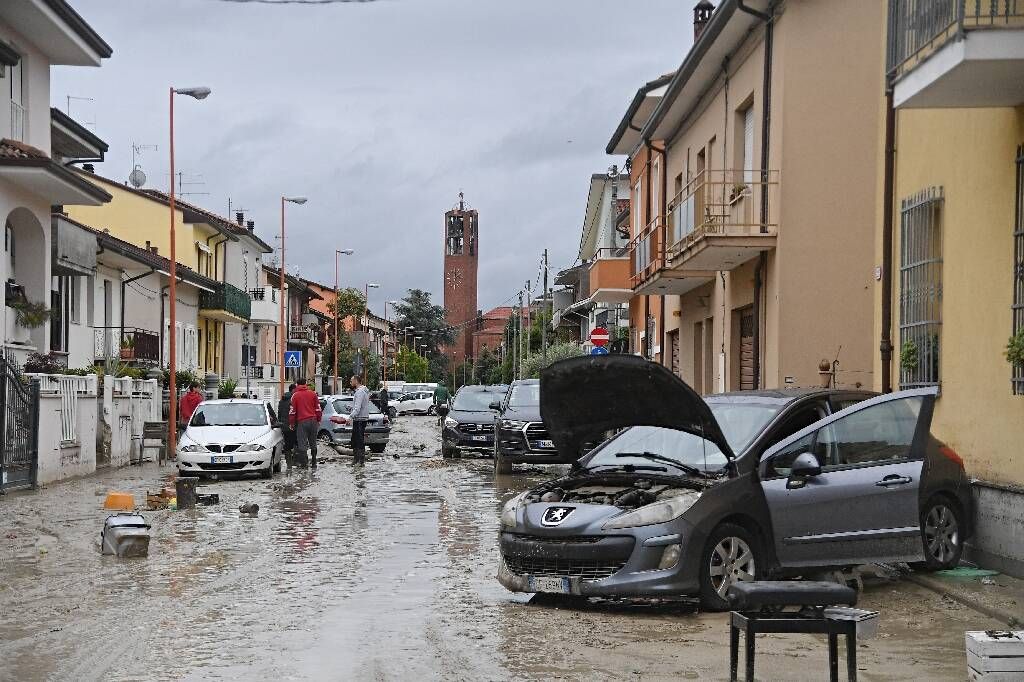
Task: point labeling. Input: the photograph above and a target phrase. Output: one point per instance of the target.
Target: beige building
(754, 209)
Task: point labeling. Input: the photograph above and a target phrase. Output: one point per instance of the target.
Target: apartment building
(950, 244)
(751, 216)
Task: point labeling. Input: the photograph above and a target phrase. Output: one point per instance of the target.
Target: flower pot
(127, 353)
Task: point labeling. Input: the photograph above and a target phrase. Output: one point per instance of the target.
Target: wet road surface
(385, 573)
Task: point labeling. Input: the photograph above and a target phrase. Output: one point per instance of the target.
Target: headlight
(512, 424)
(194, 447)
(510, 512)
(251, 447)
(450, 423)
(658, 512)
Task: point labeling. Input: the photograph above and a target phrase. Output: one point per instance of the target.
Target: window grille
(1018, 268)
(920, 288)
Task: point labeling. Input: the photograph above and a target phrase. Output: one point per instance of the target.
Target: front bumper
(514, 445)
(343, 436)
(605, 565)
(468, 442)
(200, 463)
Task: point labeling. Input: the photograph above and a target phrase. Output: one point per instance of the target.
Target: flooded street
(382, 573)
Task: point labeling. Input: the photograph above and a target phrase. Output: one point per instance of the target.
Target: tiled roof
(229, 225)
(13, 149)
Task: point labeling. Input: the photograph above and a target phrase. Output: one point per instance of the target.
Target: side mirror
(442, 410)
(804, 466)
(277, 425)
(494, 406)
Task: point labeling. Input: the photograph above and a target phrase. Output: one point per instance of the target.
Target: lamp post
(337, 295)
(387, 332)
(172, 346)
(284, 323)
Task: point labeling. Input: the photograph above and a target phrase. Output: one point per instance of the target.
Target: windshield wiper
(626, 467)
(693, 471)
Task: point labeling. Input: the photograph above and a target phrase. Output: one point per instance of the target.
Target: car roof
(525, 382)
(780, 396)
(225, 401)
(482, 388)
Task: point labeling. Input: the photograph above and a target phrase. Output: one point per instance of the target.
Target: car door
(863, 506)
(425, 401)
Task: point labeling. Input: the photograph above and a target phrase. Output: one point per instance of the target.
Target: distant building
(461, 249)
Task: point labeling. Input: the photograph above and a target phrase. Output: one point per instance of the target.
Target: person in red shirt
(189, 402)
(304, 418)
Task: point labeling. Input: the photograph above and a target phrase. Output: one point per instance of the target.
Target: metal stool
(791, 607)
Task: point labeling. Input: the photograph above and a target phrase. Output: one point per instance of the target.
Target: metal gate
(19, 425)
(747, 349)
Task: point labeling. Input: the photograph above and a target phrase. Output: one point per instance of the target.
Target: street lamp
(172, 361)
(283, 324)
(337, 295)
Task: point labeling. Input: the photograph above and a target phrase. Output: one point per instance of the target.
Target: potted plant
(909, 356)
(738, 190)
(30, 315)
(127, 348)
(1015, 348)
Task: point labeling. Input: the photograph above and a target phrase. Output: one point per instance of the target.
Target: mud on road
(381, 573)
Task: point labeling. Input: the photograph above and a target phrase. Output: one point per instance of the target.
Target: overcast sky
(380, 112)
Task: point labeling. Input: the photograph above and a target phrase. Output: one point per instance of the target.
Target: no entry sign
(599, 337)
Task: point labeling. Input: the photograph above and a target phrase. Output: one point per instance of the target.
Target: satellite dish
(137, 177)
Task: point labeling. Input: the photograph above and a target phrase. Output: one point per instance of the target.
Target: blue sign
(292, 358)
(599, 350)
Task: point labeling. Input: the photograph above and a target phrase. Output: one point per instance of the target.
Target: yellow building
(141, 217)
(954, 277)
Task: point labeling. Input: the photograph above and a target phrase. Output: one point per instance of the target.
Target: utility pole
(519, 326)
(544, 317)
(529, 321)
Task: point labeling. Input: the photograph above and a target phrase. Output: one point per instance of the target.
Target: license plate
(543, 444)
(220, 459)
(480, 438)
(549, 584)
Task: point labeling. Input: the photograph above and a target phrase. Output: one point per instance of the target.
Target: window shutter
(748, 145)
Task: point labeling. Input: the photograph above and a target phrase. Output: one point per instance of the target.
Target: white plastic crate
(995, 655)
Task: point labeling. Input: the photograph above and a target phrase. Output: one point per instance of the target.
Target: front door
(863, 506)
(746, 349)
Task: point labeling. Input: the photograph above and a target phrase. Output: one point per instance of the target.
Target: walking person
(283, 409)
(360, 415)
(304, 416)
(382, 399)
(188, 404)
(441, 397)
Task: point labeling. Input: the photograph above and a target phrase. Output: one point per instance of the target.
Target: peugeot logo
(553, 516)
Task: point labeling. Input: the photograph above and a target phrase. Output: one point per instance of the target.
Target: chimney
(147, 245)
(239, 218)
(702, 12)
(155, 250)
(88, 168)
(250, 225)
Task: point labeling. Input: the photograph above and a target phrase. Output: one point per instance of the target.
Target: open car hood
(582, 398)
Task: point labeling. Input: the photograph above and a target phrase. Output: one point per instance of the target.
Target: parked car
(375, 399)
(417, 402)
(336, 425)
(469, 425)
(519, 432)
(235, 436)
(693, 495)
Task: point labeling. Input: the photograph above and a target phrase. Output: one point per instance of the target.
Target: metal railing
(920, 293)
(723, 202)
(611, 252)
(19, 428)
(261, 294)
(67, 388)
(1017, 308)
(301, 334)
(229, 298)
(126, 343)
(17, 122)
(647, 252)
(917, 28)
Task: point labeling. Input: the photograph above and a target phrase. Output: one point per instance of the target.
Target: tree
(428, 321)
(533, 364)
(411, 366)
(487, 369)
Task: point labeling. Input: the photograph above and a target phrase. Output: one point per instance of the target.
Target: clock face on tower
(454, 278)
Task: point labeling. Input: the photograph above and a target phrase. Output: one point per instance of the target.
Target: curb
(1010, 619)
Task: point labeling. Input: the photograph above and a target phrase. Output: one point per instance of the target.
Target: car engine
(636, 493)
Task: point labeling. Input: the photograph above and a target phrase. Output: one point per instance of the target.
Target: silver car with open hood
(691, 494)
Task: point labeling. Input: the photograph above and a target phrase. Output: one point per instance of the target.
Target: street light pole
(337, 296)
(284, 323)
(172, 320)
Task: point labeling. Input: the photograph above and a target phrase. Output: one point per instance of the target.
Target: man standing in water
(304, 417)
(359, 415)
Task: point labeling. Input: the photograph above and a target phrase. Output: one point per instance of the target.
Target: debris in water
(207, 498)
(125, 535)
(122, 501)
(396, 456)
(250, 508)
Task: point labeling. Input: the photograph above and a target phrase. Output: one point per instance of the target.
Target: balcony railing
(130, 344)
(265, 305)
(720, 202)
(264, 294)
(303, 335)
(917, 28)
(17, 122)
(647, 250)
(227, 298)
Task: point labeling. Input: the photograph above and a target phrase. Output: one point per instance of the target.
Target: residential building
(35, 35)
(751, 246)
(490, 330)
(304, 326)
(950, 244)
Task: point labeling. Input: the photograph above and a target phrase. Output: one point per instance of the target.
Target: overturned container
(125, 535)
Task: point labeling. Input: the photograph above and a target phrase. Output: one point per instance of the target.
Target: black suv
(469, 425)
(519, 433)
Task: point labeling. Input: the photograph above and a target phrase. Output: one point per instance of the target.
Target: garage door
(747, 350)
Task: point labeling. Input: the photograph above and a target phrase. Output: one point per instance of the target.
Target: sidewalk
(997, 596)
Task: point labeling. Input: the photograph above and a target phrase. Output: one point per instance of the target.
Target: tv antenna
(193, 179)
(138, 177)
(67, 107)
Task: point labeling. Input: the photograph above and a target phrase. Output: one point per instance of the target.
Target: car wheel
(431, 410)
(941, 534)
(377, 448)
(277, 467)
(730, 556)
(502, 465)
(325, 438)
(269, 471)
(392, 412)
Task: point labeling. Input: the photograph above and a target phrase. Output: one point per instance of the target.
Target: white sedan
(231, 437)
(418, 402)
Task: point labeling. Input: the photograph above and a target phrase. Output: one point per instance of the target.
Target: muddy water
(381, 573)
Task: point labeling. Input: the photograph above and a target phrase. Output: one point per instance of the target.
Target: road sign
(293, 358)
(599, 350)
(599, 337)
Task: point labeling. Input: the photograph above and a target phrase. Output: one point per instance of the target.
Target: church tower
(461, 249)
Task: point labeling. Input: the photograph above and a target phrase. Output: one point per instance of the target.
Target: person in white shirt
(360, 415)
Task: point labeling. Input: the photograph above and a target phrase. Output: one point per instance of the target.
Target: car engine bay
(619, 493)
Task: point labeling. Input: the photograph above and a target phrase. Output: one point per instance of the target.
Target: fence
(19, 425)
(68, 388)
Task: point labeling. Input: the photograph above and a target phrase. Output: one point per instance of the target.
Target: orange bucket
(122, 501)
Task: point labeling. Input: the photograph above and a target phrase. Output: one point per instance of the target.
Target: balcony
(226, 303)
(956, 53)
(265, 307)
(304, 337)
(609, 275)
(129, 344)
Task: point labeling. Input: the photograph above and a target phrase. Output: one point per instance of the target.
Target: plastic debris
(250, 508)
(125, 535)
(122, 501)
(966, 573)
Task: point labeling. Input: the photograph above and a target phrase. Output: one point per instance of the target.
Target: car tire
(325, 438)
(277, 467)
(942, 535)
(269, 471)
(392, 412)
(502, 465)
(431, 410)
(377, 449)
(731, 554)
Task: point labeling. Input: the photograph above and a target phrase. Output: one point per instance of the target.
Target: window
(748, 146)
(17, 101)
(782, 462)
(920, 288)
(1018, 268)
(879, 433)
(637, 207)
(73, 303)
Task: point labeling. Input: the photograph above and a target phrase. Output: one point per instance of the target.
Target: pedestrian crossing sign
(293, 358)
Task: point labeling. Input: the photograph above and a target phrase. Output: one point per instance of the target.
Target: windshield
(475, 401)
(525, 395)
(740, 423)
(345, 407)
(230, 414)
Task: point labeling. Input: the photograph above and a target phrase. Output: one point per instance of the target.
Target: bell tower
(461, 248)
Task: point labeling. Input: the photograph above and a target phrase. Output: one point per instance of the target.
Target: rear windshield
(525, 395)
(345, 407)
(475, 401)
(230, 414)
